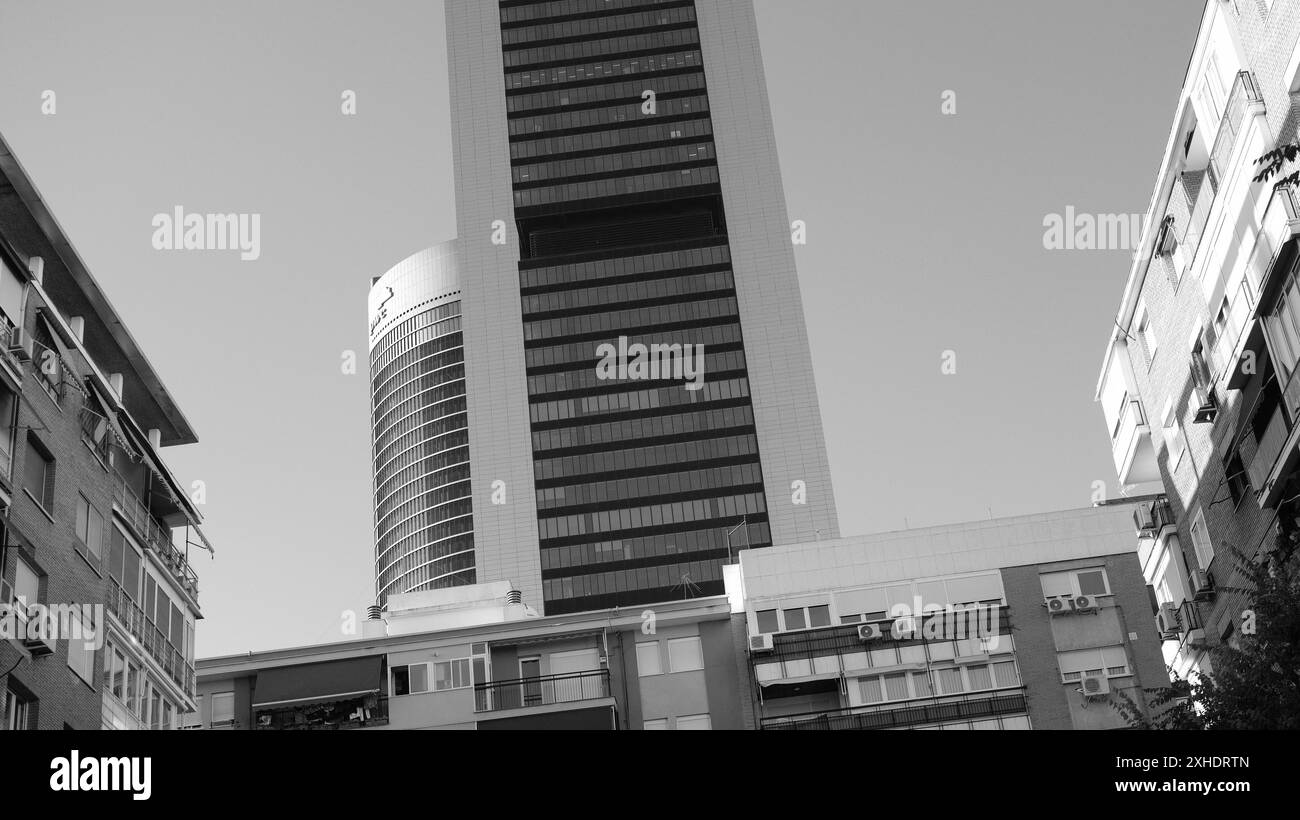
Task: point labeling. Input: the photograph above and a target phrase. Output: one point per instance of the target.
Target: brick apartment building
(1199, 385)
(87, 507)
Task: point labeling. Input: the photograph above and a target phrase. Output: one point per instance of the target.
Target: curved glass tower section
(424, 527)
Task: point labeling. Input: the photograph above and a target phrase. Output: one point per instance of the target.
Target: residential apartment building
(1033, 622)
(616, 184)
(87, 506)
(1198, 386)
(478, 657)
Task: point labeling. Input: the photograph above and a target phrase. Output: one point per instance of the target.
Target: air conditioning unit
(1202, 585)
(1084, 603)
(1207, 408)
(1059, 605)
(1145, 520)
(760, 643)
(869, 632)
(20, 344)
(43, 645)
(1095, 686)
(1167, 622)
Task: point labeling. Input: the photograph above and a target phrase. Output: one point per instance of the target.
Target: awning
(318, 682)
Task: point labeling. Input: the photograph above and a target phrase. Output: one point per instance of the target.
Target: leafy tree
(1255, 684)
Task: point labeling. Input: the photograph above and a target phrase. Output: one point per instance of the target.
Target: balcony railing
(131, 616)
(1245, 91)
(156, 537)
(6, 341)
(903, 715)
(546, 690)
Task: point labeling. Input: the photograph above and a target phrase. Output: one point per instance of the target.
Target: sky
(925, 244)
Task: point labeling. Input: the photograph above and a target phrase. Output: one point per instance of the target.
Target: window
(8, 426)
(819, 616)
(1235, 477)
(949, 680)
(410, 680)
(1092, 581)
(38, 474)
(1146, 333)
(451, 674)
(81, 655)
(1201, 540)
(124, 567)
(1175, 440)
(17, 711)
(660, 725)
(767, 622)
(693, 722)
(27, 585)
(223, 708)
(1108, 660)
(685, 655)
(794, 619)
(850, 619)
(90, 526)
(979, 677)
(648, 659)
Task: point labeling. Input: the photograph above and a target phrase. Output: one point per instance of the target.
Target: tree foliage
(1256, 683)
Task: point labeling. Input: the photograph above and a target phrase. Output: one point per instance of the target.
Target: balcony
(1244, 96)
(156, 537)
(142, 628)
(1150, 518)
(1133, 450)
(7, 356)
(546, 690)
(366, 712)
(903, 715)
(1190, 627)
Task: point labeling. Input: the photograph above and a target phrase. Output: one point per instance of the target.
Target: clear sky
(925, 234)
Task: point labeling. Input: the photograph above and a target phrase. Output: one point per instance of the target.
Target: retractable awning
(318, 682)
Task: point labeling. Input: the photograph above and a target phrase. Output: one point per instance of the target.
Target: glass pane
(794, 619)
(979, 677)
(819, 616)
(949, 681)
(1006, 674)
(767, 622)
(647, 658)
(419, 678)
(871, 691)
(1092, 583)
(896, 687)
(921, 684)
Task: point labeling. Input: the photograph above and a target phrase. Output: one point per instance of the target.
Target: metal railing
(1245, 91)
(133, 618)
(545, 690)
(156, 537)
(902, 715)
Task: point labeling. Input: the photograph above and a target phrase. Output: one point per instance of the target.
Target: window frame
(691, 640)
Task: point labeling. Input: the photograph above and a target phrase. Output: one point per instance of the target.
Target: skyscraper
(423, 523)
(617, 185)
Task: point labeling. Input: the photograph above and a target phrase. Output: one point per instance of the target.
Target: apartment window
(1175, 440)
(90, 526)
(648, 660)
(1006, 674)
(47, 361)
(38, 478)
(194, 720)
(410, 680)
(980, 677)
(949, 680)
(124, 566)
(1235, 477)
(693, 722)
(223, 708)
(767, 622)
(8, 427)
(794, 619)
(819, 616)
(1107, 660)
(1146, 333)
(451, 675)
(685, 655)
(27, 585)
(81, 657)
(1201, 540)
(17, 710)
(656, 725)
(850, 619)
(1092, 581)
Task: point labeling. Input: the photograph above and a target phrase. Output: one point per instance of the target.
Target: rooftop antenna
(689, 587)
